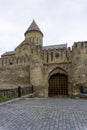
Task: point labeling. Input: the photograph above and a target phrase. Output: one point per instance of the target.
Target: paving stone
(44, 114)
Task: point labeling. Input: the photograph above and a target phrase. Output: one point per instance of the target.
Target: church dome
(34, 34)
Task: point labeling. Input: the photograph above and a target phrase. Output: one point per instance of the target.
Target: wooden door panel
(58, 85)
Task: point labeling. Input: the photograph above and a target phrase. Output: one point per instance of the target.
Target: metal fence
(7, 94)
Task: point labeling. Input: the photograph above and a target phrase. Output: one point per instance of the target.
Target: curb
(16, 99)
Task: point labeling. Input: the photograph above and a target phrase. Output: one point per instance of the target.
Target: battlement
(7, 61)
(80, 45)
(58, 55)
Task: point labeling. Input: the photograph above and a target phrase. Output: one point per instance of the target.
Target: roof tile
(55, 46)
(33, 27)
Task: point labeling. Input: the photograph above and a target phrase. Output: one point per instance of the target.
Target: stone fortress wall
(26, 52)
(33, 64)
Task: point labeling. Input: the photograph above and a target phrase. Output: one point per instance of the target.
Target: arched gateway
(58, 84)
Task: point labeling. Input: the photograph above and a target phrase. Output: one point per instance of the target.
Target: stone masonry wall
(79, 67)
(12, 77)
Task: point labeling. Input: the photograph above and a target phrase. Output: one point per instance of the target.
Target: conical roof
(33, 27)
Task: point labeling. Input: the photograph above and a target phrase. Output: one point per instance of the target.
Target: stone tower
(79, 66)
(35, 38)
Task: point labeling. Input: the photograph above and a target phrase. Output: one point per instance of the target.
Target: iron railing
(7, 94)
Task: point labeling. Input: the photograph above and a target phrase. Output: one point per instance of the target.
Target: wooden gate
(58, 85)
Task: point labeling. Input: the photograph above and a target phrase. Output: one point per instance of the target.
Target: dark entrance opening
(58, 85)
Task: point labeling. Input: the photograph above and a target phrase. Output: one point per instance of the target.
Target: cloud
(61, 21)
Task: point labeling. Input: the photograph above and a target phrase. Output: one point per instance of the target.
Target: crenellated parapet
(79, 47)
(57, 55)
(14, 61)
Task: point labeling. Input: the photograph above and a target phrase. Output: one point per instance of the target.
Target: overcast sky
(61, 21)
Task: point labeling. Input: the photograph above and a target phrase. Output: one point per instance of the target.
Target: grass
(6, 96)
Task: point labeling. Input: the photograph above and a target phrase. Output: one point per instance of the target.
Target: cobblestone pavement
(44, 114)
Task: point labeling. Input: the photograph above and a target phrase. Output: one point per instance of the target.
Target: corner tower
(34, 34)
